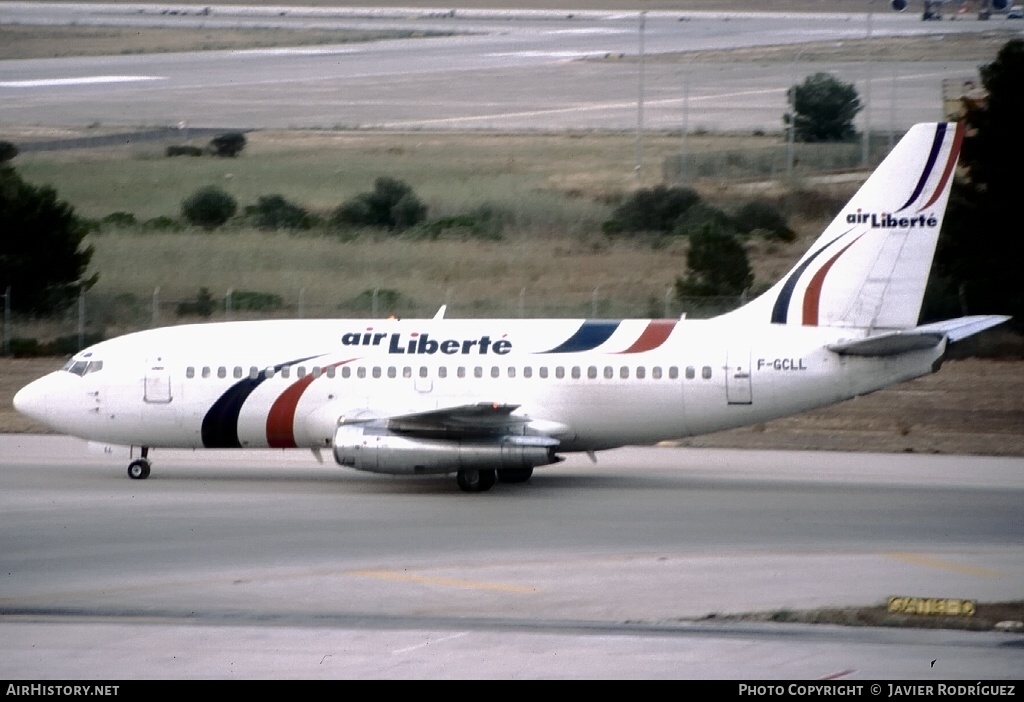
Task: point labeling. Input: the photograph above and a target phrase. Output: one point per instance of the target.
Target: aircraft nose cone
(31, 401)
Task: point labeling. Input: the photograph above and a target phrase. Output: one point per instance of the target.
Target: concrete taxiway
(267, 565)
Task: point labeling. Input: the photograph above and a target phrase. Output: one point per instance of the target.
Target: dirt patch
(1002, 616)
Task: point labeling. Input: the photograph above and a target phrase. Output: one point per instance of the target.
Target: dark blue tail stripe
(780, 311)
(940, 134)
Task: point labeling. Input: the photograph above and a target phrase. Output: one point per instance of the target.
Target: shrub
(163, 223)
(201, 306)
(227, 145)
(209, 207)
(119, 219)
(256, 301)
(485, 222)
(275, 212)
(761, 215)
(701, 215)
(183, 150)
(391, 204)
(652, 209)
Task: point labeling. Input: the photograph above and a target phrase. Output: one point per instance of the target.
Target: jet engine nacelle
(898, 5)
(999, 5)
(377, 450)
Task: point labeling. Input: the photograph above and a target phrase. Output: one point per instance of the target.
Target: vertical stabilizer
(869, 268)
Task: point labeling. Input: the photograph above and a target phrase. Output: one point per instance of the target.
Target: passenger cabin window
(690, 373)
(190, 372)
(254, 373)
(222, 372)
(206, 371)
(705, 372)
(673, 372)
(238, 372)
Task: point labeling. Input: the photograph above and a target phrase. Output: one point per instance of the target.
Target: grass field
(551, 192)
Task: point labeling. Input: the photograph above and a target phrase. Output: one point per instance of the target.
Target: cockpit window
(81, 367)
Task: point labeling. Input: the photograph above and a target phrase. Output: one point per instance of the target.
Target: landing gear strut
(139, 468)
(473, 480)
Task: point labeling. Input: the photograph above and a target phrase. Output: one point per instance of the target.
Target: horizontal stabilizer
(919, 338)
(963, 327)
(891, 344)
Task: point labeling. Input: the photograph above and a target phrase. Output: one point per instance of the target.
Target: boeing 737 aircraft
(492, 399)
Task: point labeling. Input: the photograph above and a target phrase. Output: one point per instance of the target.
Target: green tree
(717, 265)
(42, 258)
(823, 109)
(227, 145)
(980, 250)
(209, 207)
(7, 151)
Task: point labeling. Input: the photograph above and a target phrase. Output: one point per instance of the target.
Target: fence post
(156, 307)
(227, 303)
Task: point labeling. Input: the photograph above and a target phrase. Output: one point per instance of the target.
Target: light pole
(640, 100)
(866, 143)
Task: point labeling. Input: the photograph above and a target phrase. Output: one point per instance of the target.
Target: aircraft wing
(925, 336)
(476, 421)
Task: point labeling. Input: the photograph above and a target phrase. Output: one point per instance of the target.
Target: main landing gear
(474, 480)
(139, 468)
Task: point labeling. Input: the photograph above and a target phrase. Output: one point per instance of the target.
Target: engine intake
(376, 450)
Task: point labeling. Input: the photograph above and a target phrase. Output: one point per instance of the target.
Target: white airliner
(493, 399)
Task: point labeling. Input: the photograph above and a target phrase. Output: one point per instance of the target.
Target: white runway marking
(85, 80)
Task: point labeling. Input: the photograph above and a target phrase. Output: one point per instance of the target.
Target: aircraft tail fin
(869, 267)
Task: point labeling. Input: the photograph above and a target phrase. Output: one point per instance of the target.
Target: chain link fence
(97, 316)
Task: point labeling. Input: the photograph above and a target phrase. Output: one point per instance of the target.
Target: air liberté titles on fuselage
(416, 343)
